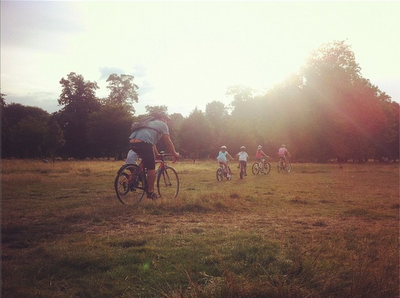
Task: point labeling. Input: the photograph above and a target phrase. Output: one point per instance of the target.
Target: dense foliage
(327, 110)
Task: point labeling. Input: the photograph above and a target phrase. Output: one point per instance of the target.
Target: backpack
(143, 123)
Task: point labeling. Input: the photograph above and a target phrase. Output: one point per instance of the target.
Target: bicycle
(262, 166)
(131, 182)
(221, 173)
(284, 165)
(242, 169)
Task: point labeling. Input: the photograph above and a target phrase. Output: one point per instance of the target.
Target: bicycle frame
(132, 179)
(223, 171)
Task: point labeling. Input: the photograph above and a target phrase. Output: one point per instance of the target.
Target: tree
(54, 139)
(175, 128)
(195, 135)
(241, 96)
(75, 91)
(152, 109)
(12, 115)
(109, 130)
(3, 101)
(28, 136)
(217, 115)
(122, 90)
(79, 99)
(344, 110)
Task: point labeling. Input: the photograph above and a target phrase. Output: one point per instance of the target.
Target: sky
(186, 54)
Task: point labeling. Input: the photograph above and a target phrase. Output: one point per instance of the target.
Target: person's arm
(170, 146)
(156, 153)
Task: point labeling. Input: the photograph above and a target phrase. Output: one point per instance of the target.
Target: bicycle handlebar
(162, 154)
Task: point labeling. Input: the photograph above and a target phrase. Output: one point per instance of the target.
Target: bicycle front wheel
(129, 190)
(288, 167)
(168, 183)
(255, 168)
(220, 174)
(267, 168)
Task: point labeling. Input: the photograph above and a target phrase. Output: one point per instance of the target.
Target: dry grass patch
(319, 231)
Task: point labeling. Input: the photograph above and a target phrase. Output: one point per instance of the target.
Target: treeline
(327, 110)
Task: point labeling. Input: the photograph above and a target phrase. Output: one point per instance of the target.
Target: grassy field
(319, 231)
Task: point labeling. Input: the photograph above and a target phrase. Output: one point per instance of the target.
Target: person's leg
(146, 152)
(151, 178)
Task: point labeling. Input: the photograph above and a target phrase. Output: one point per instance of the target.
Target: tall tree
(175, 128)
(241, 96)
(344, 106)
(196, 135)
(122, 90)
(152, 109)
(217, 115)
(54, 139)
(109, 130)
(79, 100)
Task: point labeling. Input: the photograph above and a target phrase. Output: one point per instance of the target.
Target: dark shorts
(243, 163)
(146, 153)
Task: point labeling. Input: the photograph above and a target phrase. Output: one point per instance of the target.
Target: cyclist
(259, 155)
(143, 141)
(223, 159)
(282, 152)
(243, 156)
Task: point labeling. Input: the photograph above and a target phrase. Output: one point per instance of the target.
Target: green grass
(319, 231)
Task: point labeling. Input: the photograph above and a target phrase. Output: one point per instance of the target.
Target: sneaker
(152, 195)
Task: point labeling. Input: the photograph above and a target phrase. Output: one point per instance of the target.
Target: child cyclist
(259, 155)
(223, 158)
(283, 152)
(243, 156)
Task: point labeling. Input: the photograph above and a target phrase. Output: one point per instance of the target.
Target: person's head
(242, 148)
(283, 146)
(223, 148)
(160, 115)
(259, 147)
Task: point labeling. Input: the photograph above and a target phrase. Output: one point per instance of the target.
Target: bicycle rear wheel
(168, 183)
(255, 168)
(128, 191)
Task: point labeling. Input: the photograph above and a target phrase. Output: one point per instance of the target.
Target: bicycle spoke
(129, 188)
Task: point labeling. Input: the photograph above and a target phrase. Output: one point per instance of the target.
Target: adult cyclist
(143, 141)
